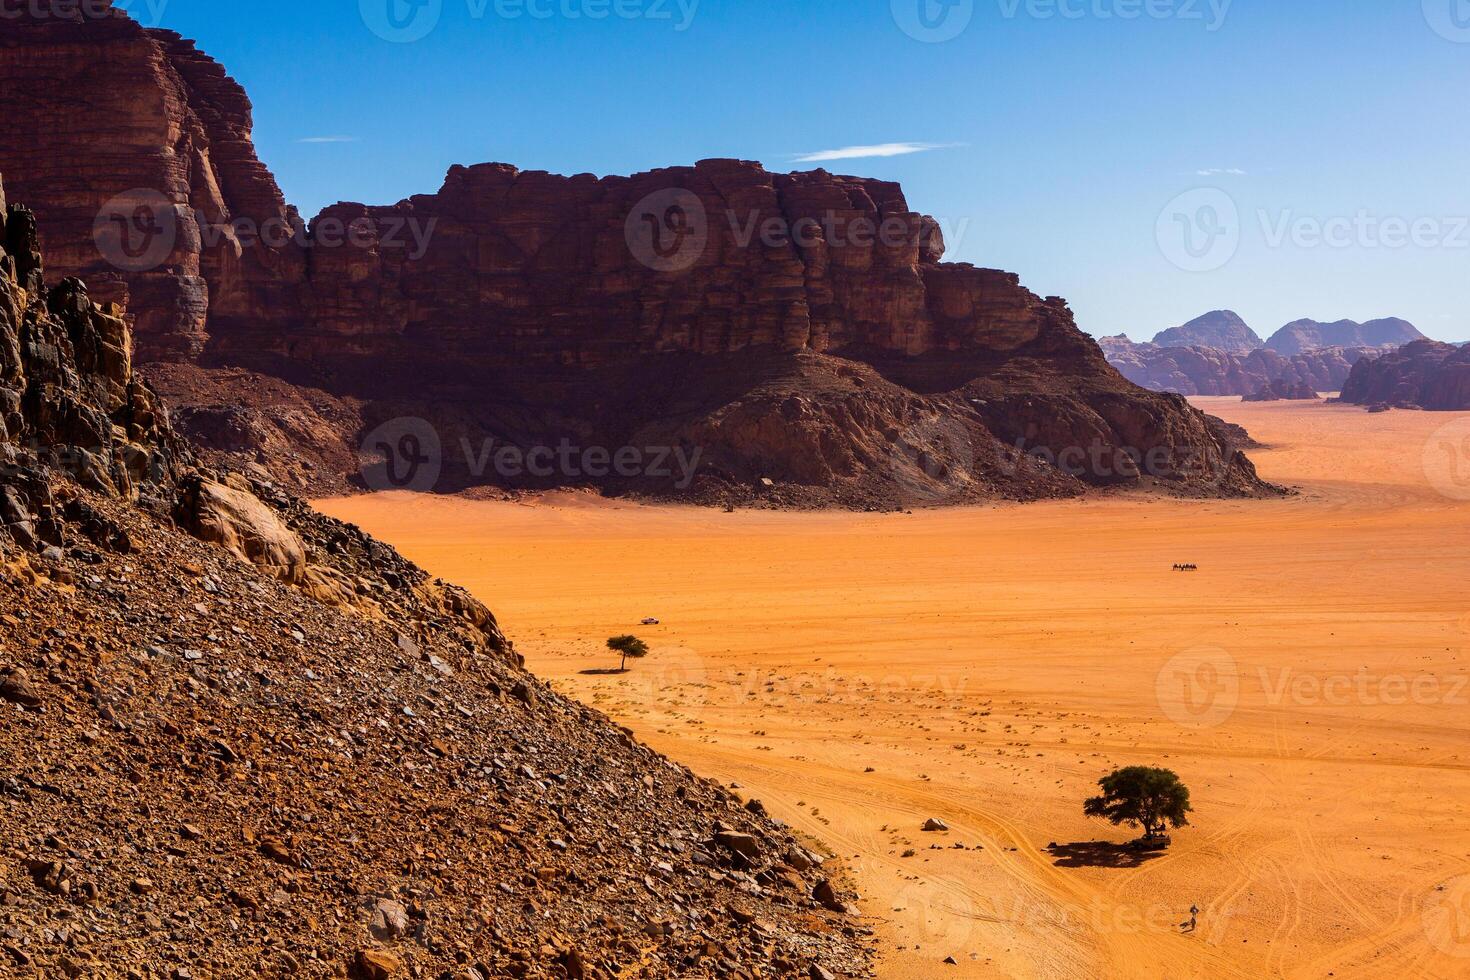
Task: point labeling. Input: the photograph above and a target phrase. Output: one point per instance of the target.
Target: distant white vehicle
(650, 621)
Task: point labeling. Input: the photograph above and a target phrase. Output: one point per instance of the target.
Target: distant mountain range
(1301, 336)
(1220, 329)
(1220, 354)
(1225, 330)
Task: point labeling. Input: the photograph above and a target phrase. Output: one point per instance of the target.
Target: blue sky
(1057, 135)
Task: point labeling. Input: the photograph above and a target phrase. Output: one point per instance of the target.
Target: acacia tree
(1143, 796)
(628, 646)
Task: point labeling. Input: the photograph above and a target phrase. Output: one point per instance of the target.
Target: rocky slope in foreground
(239, 739)
(1424, 374)
(797, 334)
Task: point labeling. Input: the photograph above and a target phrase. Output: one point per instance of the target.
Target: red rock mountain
(175, 647)
(799, 332)
(1210, 371)
(1301, 336)
(1424, 374)
(1220, 329)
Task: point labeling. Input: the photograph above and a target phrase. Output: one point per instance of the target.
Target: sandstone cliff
(135, 151)
(1208, 371)
(1424, 374)
(796, 334)
(276, 748)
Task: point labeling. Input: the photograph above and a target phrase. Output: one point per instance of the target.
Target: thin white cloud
(1221, 171)
(328, 139)
(867, 152)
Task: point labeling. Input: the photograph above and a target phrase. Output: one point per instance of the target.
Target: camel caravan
(1186, 568)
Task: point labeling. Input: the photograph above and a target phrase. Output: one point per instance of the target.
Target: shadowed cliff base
(799, 332)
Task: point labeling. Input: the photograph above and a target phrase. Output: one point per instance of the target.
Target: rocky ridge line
(272, 747)
(838, 362)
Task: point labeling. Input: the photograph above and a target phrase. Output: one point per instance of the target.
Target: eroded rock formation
(1424, 374)
(1208, 371)
(69, 399)
(1302, 336)
(1221, 330)
(799, 333)
(334, 762)
(1281, 390)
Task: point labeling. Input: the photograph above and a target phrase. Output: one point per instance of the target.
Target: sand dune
(863, 673)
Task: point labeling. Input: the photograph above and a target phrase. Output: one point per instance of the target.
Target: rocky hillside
(789, 338)
(1424, 374)
(1220, 330)
(1281, 390)
(240, 739)
(1208, 371)
(1302, 336)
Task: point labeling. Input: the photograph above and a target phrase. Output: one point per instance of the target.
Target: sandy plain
(862, 673)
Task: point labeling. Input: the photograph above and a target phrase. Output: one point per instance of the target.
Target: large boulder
(236, 520)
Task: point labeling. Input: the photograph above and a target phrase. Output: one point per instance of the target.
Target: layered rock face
(1207, 371)
(834, 352)
(1302, 336)
(135, 151)
(69, 400)
(334, 762)
(1221, 329)
(1424, 374)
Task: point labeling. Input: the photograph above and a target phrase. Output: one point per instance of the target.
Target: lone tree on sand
(628, 646)
(1153, 799)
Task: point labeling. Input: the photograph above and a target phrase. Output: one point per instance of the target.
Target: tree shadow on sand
(602, 672)
(1100, 854)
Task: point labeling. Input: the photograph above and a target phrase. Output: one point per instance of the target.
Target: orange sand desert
(862, 673)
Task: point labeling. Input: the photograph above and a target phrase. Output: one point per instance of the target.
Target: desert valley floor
(862, 673)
